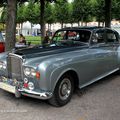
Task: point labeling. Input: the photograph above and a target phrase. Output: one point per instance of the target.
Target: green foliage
(36, 13)
(2, 27)
(29, 14)
(62, 11)
(21, 13)
(99, 10)
(3, 15)
(70, 13)
(82, 10)
(116, 9)
(49, 13)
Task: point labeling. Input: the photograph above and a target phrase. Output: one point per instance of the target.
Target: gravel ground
(99, 101)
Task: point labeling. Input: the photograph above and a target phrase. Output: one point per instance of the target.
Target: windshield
(71, 37)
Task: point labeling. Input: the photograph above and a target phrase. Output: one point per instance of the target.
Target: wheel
(63, 91)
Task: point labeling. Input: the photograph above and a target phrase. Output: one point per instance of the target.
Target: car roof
(82, 28)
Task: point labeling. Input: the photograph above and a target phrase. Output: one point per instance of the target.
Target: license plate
(7, 87)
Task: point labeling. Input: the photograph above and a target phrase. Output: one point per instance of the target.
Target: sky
(70, 0)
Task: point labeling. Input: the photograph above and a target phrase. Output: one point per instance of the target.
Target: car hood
(41, 51)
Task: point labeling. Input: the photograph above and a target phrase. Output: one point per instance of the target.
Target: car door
(108, 54)
(104, 55)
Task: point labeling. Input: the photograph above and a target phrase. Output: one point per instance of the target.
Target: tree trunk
(98, 23)
(42, 22)
(11, 25)
(31, 29)
(61, 24)
(78, 23)
(82, 20)
(21, 28)
(108, 4)
(50, 26)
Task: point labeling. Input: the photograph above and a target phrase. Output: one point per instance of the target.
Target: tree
(82, 9)
(115, 9)
(29, 13)
(61, 12)
(11, 24)
(49, 15)
(42, 16)
(99, 11)
(3, 17)
(36, 12)
(70, 12)
(108, 5)
(21, 17)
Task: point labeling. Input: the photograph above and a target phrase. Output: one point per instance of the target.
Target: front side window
(60, 35)
(74, 37)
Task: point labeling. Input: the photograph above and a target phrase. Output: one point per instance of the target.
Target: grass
(33, 39)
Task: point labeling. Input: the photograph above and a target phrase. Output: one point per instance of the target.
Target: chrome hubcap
(65, 89)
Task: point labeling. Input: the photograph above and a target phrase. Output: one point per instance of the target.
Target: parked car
(75, 58)
(2, 43)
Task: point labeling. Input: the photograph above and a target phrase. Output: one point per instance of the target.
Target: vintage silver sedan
(75, 58)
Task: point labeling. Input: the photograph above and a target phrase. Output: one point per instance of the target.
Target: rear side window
(98, 37)
(111, 36)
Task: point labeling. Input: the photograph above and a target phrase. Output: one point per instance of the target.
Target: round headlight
(33, 72)
(27, 71)
(30, 85)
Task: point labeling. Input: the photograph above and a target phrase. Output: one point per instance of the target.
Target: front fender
(118, 50)
(58, 73)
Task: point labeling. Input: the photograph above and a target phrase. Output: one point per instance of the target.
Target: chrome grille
(14, 66)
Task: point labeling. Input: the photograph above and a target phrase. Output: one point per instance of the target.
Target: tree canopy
(41, 11)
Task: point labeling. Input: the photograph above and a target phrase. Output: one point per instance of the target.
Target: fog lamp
(25, 80)
(30, 85)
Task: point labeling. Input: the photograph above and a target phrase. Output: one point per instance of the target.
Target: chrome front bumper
(34, 94)
(18, 91)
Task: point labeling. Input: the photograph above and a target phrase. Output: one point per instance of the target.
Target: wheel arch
(73, 74)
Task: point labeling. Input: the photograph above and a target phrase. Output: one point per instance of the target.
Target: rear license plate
(7, 87)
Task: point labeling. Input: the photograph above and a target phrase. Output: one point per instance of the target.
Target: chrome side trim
(97, 79)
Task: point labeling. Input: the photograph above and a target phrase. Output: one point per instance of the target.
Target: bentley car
(74, 58)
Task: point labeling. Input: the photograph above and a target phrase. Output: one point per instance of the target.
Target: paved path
(100, 101)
